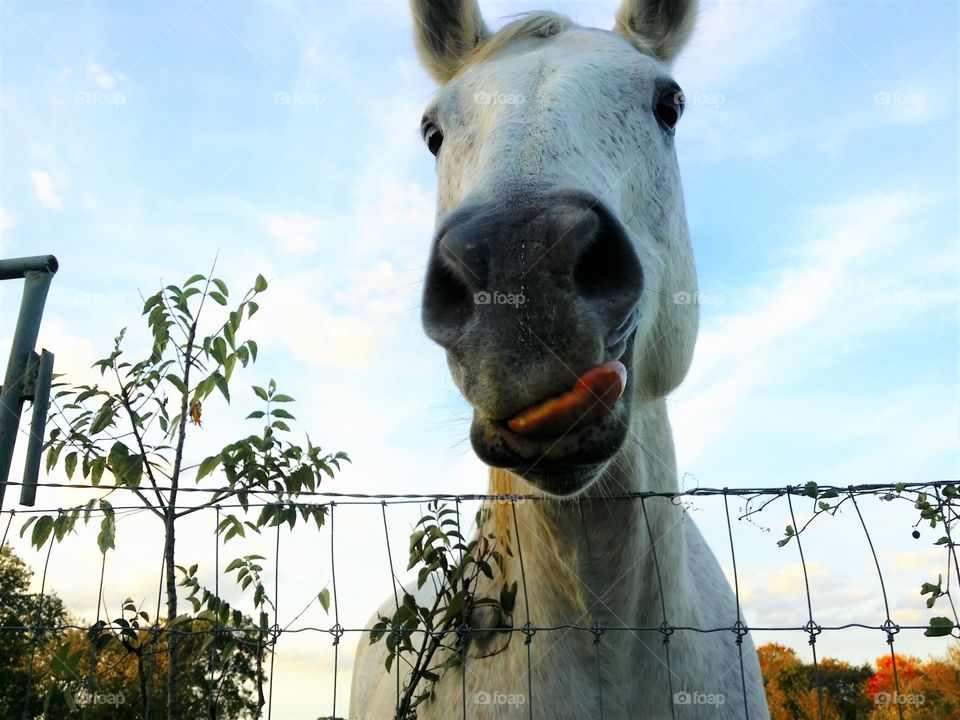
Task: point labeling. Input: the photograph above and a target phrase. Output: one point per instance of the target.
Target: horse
(559, 283)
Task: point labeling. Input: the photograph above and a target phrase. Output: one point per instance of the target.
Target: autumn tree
(919, 690)
(22, 679)
(792, 686)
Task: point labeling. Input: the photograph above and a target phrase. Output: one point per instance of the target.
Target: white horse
(562, 259)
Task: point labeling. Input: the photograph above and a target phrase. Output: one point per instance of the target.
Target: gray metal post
(37, 272)
(38, 423)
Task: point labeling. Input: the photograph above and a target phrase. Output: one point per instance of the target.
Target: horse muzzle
(536, 301)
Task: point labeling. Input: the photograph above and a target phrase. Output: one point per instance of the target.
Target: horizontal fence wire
(267, 637)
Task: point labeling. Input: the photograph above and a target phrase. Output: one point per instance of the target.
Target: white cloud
(45, 189)
(831, 293)
(6, 222)
(296, 233)
(313, 331)
(102, 78)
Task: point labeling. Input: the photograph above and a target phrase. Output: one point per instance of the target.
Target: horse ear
(663, 25)
(446, 31)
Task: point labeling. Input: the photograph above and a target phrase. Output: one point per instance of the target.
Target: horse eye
(669, 108)
(433, 138)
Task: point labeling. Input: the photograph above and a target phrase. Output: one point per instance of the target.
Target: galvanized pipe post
(36, 272)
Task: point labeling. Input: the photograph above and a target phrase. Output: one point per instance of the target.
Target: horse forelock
(537, 24)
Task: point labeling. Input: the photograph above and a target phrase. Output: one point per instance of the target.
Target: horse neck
(592, 557)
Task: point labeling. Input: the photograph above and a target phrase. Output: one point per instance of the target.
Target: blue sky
(819, 158)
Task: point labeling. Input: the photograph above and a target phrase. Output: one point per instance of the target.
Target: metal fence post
(23, 379)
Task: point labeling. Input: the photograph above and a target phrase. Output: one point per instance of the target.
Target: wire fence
(932, 503)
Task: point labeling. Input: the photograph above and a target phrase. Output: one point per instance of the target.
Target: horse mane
(537, 24)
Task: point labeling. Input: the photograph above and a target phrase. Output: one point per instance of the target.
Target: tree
(129, 434)
(922, 690)
(791, 686)
(22, 679)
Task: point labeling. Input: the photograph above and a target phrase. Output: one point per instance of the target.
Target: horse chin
(562, 466)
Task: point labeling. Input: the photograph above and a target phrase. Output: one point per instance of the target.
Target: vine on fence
(943, 510)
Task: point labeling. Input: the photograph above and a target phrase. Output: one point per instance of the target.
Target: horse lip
(623, 332)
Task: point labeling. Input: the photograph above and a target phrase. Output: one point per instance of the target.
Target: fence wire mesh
(935, 500)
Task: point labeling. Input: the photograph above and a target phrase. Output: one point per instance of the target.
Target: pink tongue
(593, 395)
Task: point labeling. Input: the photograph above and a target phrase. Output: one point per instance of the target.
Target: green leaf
(810, 489)
(261, 393)
(939, 626)
(97, 466)
(222, 385)
(207, 466)
(103, 418)
(222, 286)
(281, 398)
(70, 464)
(177, 383)
(194, 279)
(324, 598)
(218, 297)
(108, 528)
(260, 284)
(41, 531)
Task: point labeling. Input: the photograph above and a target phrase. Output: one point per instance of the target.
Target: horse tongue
(594, 394)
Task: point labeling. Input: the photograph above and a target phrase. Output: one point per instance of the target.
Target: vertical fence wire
(337, 630)
(155, 634)
(396, 596)
(6, 530)
(889, 626)
(596, 628)
(951, 554)
(811, 628)
(740, 629)
(38, 628)
(275, 630)
(527, 629)
(212, 657)
(666, 629)
(101, 603)
(463, 632)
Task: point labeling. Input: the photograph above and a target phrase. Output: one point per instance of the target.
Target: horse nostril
(447, 300)
(608, 268)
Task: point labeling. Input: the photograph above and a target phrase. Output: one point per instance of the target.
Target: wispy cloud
(102, 78)
(832, 293)
(45, 190)
(296, 233)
